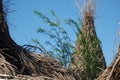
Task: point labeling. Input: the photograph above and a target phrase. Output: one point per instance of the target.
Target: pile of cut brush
(38, 67)
(20, 63)
(112, 72)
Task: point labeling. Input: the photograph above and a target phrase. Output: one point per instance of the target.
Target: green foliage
(46, 19)
(75, 24)
(35, 41)
(61, 46)
(92, 55)
(53, 13)
(40, 30)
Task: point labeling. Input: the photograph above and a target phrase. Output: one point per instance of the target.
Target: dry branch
(112, 72)
(16, 60)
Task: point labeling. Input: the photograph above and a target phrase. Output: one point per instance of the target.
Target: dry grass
(87, 9)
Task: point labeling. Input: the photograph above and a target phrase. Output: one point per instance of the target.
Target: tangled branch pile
(37, 67)
(16, 60)
(112, 72)
(6, 67)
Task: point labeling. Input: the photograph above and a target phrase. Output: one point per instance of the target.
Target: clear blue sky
(23, 22)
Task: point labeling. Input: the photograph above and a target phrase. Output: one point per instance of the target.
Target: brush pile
(5, 67)
(19, 63)
(38, 67)
(112, 72)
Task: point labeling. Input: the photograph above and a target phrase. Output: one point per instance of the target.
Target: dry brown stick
(4, 76)
(109, 76)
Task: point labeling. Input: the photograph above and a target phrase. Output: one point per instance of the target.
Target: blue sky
(23, 22)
